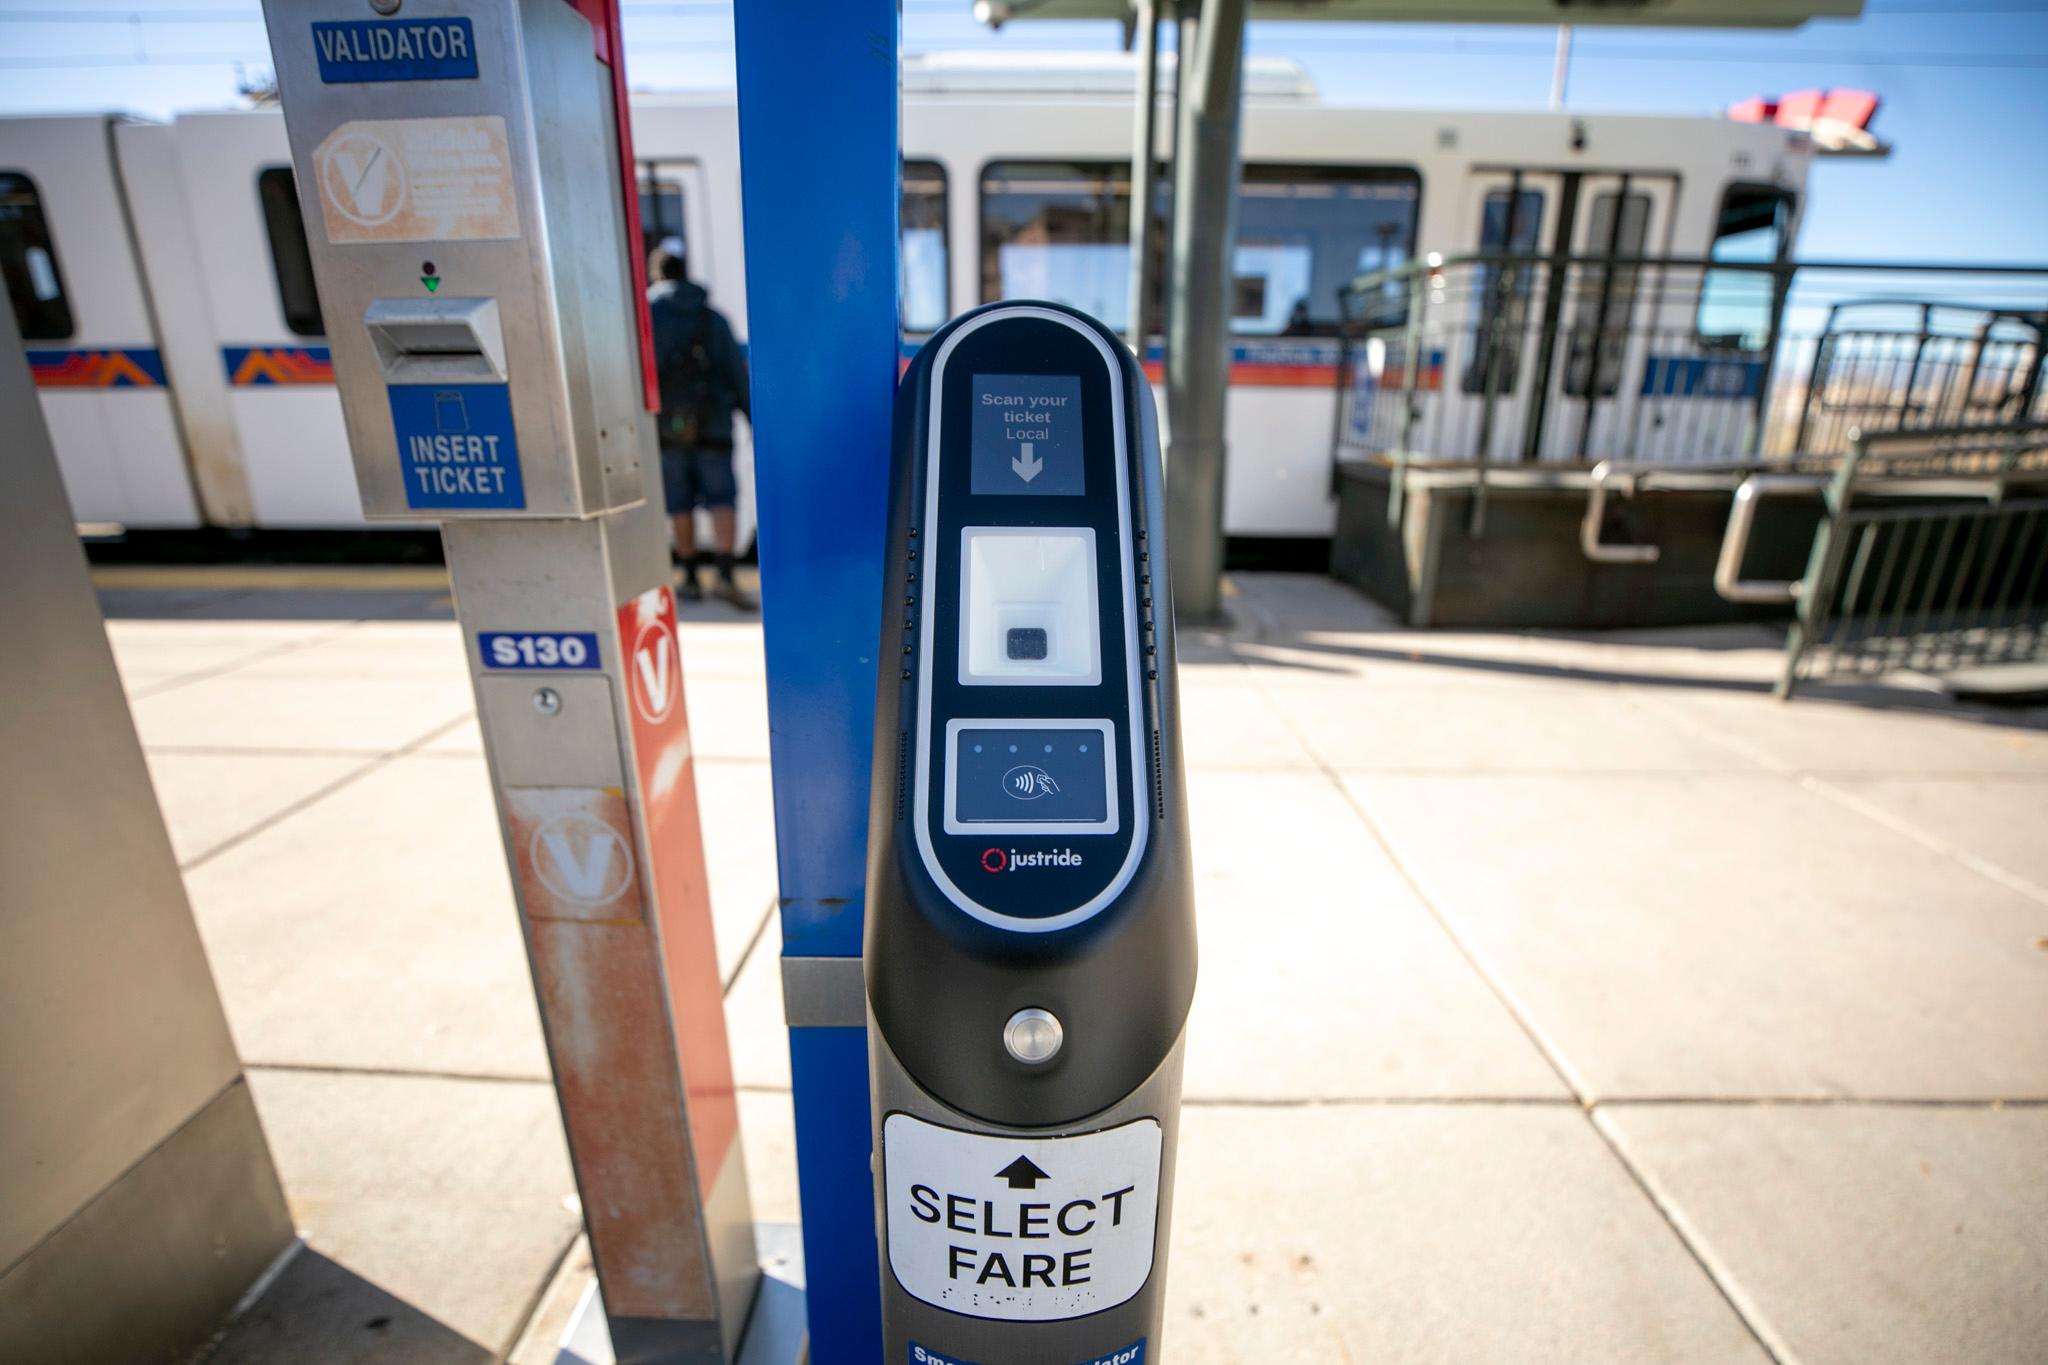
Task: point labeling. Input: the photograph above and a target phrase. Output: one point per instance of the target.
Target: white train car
(1016, 184)
(79, 294)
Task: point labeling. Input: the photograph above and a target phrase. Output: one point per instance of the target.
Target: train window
(1508, 225)
(289, 256)
(1754, 228)
(926, 300)
(28, 258)
(661, 214)
(1060, 231)
(1604, 295)
(1304, 232)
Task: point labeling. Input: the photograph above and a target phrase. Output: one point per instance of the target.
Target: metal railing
(1933, 556)
(1664, 362)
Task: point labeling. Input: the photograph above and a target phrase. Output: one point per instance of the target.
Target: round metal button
(1033, 1036)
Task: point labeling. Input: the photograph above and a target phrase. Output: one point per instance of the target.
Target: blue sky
(1962, 84)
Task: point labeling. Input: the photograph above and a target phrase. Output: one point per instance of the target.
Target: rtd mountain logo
(1010, 860)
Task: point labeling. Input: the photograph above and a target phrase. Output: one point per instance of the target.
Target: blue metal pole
(820, 178)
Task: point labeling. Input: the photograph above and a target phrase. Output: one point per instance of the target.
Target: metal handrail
(1433, 263)
(1728, 579)
(1597, 550)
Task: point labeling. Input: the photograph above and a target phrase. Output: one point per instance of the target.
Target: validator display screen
(1026, 435)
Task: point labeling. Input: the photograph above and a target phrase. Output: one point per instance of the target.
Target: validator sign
(364, 50)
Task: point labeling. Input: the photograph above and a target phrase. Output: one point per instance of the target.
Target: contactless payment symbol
(1028, 782)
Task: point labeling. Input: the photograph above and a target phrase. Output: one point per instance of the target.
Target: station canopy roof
(1630, 13)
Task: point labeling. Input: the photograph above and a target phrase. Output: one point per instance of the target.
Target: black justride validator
(1030, 951)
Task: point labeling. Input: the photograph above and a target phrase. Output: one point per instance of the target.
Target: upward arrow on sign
(1022, 1174)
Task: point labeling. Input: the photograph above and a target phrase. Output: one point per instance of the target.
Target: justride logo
(1010, 860)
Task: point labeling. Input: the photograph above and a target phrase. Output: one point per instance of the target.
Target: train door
(270, 337)
(1548, 348)
(1605, 319)
(1495, 346)
(77, 293)
(675, 205)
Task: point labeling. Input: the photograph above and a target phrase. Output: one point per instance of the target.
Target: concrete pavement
(1563, 999)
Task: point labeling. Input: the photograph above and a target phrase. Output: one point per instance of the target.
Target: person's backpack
(688, 391)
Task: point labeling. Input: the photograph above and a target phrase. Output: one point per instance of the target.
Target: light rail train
(159, 270)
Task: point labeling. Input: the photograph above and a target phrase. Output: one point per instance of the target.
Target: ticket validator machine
(468, 204)
(1030, 951)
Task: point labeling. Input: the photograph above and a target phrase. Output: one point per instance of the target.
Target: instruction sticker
(1021, 1229)
(417, 180)
(456, 445)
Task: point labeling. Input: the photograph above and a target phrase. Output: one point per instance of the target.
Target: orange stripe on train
(267, 366)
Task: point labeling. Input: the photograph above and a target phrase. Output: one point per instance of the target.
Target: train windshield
(1754, 228)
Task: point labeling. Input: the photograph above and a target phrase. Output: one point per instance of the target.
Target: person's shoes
(731, 592)
(690, 590)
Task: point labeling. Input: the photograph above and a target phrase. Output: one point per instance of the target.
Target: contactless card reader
(1030, 951)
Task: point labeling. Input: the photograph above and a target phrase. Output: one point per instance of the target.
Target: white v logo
(365, 181)
(585, 877)
(653, 663)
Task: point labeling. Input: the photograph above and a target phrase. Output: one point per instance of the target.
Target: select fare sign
(1021, 1229)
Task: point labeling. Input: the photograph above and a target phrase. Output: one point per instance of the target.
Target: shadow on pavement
(320, 1312)
(1323, 627)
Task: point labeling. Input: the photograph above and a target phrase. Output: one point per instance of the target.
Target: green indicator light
(432, 282)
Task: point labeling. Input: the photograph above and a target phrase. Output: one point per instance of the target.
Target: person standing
(703, 381)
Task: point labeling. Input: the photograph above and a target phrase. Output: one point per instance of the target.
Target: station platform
(1564, 998)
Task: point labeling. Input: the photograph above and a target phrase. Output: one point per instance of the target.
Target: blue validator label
(538, 648)
(456, 445)
(1133, 1354)
(359, 50)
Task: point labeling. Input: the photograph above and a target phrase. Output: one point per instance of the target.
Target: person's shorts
(697, 478)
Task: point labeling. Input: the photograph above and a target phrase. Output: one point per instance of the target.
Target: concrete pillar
(1198, 315)
(138, 1202)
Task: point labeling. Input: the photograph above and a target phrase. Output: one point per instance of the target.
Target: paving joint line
(1813, 781)
(1377, 1101)
(1749, 1315)
(539, 1296)
(233, 751)
(178, 680)
(353, 775)
(1816, 1102)
(397, 1072)
(1551, 1056)
(753, 942)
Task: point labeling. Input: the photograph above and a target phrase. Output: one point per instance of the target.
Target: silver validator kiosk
(468, 201)
(1030, 951)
